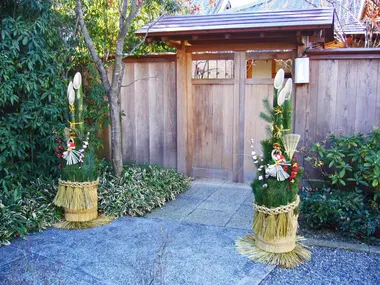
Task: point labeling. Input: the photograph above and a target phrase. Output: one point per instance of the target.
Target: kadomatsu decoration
(276, 205)
(78, 186)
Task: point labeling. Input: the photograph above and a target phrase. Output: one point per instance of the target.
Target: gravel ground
(330, 235)
(330, 266)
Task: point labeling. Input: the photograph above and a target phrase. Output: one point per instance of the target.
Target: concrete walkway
(188, 241)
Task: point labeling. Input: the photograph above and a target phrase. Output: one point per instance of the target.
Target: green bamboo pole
(79, 113)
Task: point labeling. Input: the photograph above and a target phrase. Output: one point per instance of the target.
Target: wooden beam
(269, 55)
(175, 44)
(213, 82)
(184, 113)
(213, 56)
(238, 125)
(302, 47)
(242, 47)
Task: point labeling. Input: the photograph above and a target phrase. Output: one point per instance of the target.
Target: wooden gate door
(226, 116)
(213, 128)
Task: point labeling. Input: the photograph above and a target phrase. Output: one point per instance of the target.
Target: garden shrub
(339, 210)
(350, 162)
(139, 190)
(26, 209)
(351, 167)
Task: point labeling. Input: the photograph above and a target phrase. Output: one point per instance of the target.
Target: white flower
(254, 157)
(261, 160)
(260, 177)
(267, 176)
(265, 185)
(256, 162)
(253, 153)
(85, 146)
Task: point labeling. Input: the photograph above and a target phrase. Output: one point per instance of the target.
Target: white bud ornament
(70, 93)
(77, 81)
(279, 79)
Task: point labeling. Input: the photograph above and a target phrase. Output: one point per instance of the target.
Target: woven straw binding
(84, 215)
(279, 245)
(78, 184)
(278, 210)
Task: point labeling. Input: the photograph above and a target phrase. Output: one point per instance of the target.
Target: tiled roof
(346, 10)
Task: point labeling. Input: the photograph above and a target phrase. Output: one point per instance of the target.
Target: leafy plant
(32, 61)
(350, 162)
(26, 209)
(139, 190)
(348, 212)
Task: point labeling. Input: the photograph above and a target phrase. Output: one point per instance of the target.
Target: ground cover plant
(138, 191)
(349, 199)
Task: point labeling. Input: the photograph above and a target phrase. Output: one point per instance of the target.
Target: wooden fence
(343, 97)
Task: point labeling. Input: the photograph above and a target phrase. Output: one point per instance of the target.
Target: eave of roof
(290, 20)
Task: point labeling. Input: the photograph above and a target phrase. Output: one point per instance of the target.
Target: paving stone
(35, 269)
(208, 217)
(176, 209)
(227, 200)
(128, 250)
(242, 219)
(9, 254)
(199, 192)
(249, 200)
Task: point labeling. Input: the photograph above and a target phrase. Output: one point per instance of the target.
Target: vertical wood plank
(170, 116)
(366, 92)
(377, 118)
(142, 113)
(352, 82)
(127, 102)
(184, 112)
(342, 99)
(239, 101)
(156, 113)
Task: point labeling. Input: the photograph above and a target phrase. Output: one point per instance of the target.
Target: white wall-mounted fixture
(302, 70)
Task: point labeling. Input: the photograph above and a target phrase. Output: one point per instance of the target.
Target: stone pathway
(211, 202)
(188, 241)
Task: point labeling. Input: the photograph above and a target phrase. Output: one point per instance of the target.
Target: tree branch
(144, 78)
(145, 36)
(91, 47)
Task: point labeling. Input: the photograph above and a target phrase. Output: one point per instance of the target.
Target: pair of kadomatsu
(276, 205)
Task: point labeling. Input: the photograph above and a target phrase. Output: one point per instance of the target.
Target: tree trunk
(116, 148)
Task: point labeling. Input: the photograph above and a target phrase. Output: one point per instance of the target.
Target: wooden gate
(225, 118)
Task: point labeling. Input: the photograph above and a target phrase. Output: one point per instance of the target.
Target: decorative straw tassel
(258, 223)
(290, 223)
(282, 227)
(270, 228)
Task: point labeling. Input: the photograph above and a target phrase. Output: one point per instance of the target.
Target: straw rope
(78, 184)
(277, 210)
